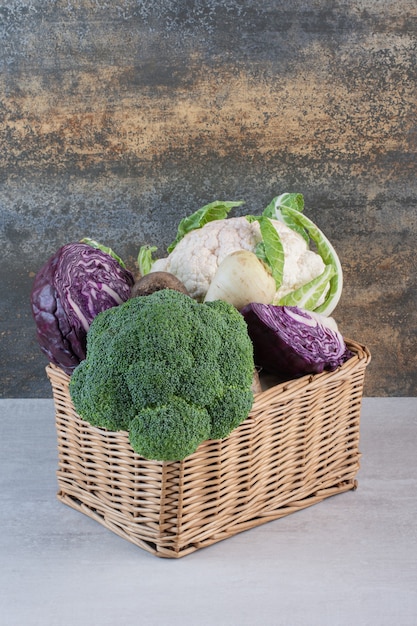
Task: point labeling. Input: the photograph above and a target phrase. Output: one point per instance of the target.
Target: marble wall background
(119, 117)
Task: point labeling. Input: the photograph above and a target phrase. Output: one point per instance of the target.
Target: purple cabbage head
(289, 342)
(73, 286)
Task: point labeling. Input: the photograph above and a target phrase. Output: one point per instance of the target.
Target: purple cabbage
(289, 342)
(73, 286)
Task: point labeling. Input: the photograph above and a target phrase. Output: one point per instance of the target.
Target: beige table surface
(348, 561)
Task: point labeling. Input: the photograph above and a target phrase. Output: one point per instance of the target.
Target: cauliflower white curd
(197, 256)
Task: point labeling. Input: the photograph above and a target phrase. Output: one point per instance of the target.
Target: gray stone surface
(119, 118)
(348, 560)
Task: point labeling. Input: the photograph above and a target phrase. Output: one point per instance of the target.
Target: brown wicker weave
(298, 446)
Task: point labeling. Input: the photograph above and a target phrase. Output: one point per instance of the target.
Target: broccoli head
(170, 370)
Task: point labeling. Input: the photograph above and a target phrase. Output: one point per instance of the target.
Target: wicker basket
(298, 446)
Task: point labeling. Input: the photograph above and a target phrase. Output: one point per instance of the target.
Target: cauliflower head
(197, 256)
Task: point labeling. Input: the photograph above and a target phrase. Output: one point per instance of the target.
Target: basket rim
(360, 350)
(361, 354)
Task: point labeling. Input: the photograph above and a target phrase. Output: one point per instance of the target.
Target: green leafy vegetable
(216, 210)
(307, 296)
(270, 249)
(327, 253)
(145, 259)
(100, 246)
(293, 201)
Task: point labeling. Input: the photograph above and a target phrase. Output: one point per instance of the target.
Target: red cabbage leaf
(73, 286)
(289, 342)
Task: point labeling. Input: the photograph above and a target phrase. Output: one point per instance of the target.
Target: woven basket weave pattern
(298, 446)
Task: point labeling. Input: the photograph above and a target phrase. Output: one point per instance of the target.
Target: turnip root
(240, 279)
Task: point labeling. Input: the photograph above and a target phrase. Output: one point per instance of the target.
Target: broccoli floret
(226, 412)
(170, 432)
(172, 371)
(232, 349)
(105, 403)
